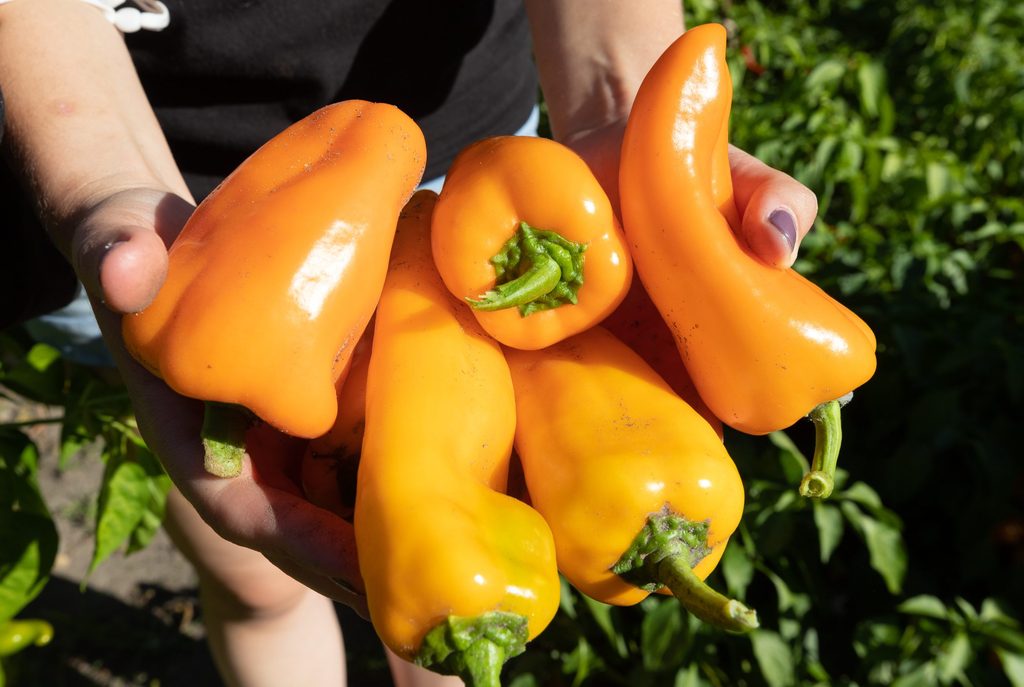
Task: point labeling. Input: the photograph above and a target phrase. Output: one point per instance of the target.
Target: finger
(119, 251)
(777, 210)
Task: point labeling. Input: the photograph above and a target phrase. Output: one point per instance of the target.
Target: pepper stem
(698, 598)
(223, 437)
(474, 648)
(536, 270)
(828, 436)
(663, 555)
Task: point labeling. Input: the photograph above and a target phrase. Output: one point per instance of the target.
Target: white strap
(151, 15)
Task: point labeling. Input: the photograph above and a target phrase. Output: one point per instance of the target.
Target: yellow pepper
(638, 489)
(458, 574)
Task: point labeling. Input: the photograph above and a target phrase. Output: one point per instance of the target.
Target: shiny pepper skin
(277, 272)
(605, 443)
(763, 346)
(495, 185)
(436, 535)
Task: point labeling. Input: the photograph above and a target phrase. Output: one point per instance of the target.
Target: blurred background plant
(907, 119)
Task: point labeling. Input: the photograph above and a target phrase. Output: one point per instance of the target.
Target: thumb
(777, 211)
(119, 248)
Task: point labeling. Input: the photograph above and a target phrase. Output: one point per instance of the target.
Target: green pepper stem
(541, 278)
(828, 436)
(535, 270)
(16, 635)
(223, 437)
(698, 598)
(474, 648)
(663, 555)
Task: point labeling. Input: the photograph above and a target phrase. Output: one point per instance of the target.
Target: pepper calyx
(474, 647)
(535, 270)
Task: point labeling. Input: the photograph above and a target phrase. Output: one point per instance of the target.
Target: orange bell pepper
(637, 487)
(763, 346)
(458, 574)
(525, 233)
(277, 272)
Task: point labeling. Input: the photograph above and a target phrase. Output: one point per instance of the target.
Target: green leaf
(737, 569)
(663, 636)
(862, 494)
(602, 614)
(885, 546)
(871, 79)
(922, 676)
(1013, 666)
(954, 658)
(794, 463)
(689, 677)
(28, 546)
(132, 499)
(567, 598)
(39, 376)
(938, 179)
(925, 605)
(774, 658)
(580, 662)
(825, 76)
(829, 521)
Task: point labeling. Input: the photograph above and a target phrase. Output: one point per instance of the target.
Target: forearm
(592, 56)
(79, 125)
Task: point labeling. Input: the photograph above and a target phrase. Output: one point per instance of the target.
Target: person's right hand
(118, 248)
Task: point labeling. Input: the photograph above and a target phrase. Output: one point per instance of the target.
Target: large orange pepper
(763, 346)
(637, 487)
(277, 272)
(524, 232)
(458, 574)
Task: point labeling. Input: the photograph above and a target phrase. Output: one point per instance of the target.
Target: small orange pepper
(277, 272)
(524, 232)
(458, 574)
(637, 487)
(763, 346)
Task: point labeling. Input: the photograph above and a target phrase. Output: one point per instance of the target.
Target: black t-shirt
(227, 75)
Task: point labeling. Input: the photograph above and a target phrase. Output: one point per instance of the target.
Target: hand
(777, 211)
(118, 249)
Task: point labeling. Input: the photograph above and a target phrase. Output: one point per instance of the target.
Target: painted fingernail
(784, 221)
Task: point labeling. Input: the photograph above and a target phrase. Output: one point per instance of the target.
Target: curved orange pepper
(525, 233)
(458, 574)
(277, 272)
(764, 346)
(637, 487)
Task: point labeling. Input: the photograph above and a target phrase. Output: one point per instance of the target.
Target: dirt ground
(136, 620)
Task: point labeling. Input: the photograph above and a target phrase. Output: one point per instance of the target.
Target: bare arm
(88, 147)
(80, 129)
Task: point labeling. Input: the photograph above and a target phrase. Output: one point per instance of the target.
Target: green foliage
(907, 120)
(94, 410)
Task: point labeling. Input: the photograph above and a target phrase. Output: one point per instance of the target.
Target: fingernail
(784, 221)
